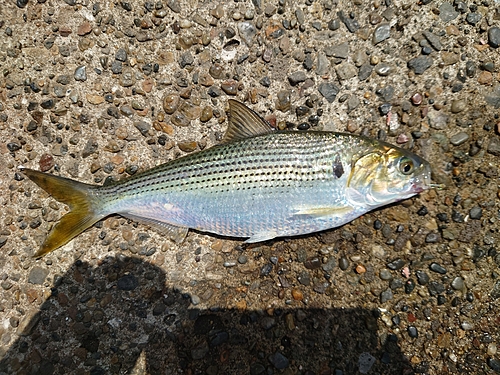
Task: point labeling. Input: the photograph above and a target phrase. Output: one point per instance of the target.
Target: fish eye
(406, 165)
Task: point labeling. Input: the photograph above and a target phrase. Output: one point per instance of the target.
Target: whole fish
(258, 183)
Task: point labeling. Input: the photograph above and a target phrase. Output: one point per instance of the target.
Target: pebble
(458, 283)
(412, 331)
(37, 275)
(381, 33)
(187, 146)
(386, 295)
(247, 32)
(346, 71)
(473, 18)
(433, 40)
(279, 361)
(420, 64)
(170, 103)
(436, 267)
(383, 69)
(385, 274)
(297, 77)
(422, 277)
(351, 23)
(447, 12)
(328, 90)
(340, 50)
(458, 106)
(127, 282)
(343, 263)
(459, 138)
(494, 364)
(494, 37)
(476, 213)
(365, 362)
(81, 73)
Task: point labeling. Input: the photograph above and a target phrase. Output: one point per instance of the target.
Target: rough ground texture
(95, 90)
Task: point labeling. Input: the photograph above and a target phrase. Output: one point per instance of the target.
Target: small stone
(37, 275)
(458, 106)
(485, 78)
(170, 103)
(297, 77)
(247, 31)
(187, 146)
(90, 148)
(81, 73)
(473, 18)
(279, 361)
(494, 37)
(494, 146)
(297, 294)
(121, 55)
(230, 87)
(458, 283)
(459, 138)
(127, 282)
(206, 114)
(340, 50)
(433, 40)
(143, 127)
(46, 162)
(381, 33)
(437, 268)
(365, 362)
(94, 99)
(346, 71)
(476, 213)
(328, 90)
(386, 295)
(412, 331)
(186, 59)
(365, 71)
(351, 23)
(420, 64)
(343, 263)
(494, 364)
(416, 99)
(422, 277)
(447, 12)
(385, 274)
(84, 29)
(283, 102)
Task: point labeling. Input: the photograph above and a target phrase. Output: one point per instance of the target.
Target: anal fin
(174, 232)
(262, 236)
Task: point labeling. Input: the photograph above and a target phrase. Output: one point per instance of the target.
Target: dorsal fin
(244, 123)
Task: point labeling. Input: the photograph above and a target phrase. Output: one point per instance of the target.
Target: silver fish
(258, 184)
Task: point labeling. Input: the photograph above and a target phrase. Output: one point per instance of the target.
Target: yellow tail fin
(84, 208)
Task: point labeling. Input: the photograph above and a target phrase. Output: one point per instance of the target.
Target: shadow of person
(103, 320)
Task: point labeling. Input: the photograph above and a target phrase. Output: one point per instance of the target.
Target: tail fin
(84, 208)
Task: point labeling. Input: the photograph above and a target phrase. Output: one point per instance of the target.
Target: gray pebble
(422, 277)
(81, 73)
(340, 50)
(381, 33)
(323, 64)
(365, 362)
(420, 64)
(494, 146)
(412, 331)
(365, 71)
(386, 295)
(436, 267)
(346, 71)
(458, 106)
(352, 103)
(127, 282)
(458, 283)
(37, 275)
(459, 138)
(297, 77)
(343, 263)
(230, 263)
(476, 213)
(299, 14)
(121, 55)
(242, 259)
(279, 361)
(351, 23)
(186, 59)
(447, 12)
(383, 69)
(494, 364)
(494, 37)
(438, 119)
(385, 274)
(195, 300)
(247, 32)
(433, 39)
(143, 127)
(473, 18)
(116, 67)
(328, 90)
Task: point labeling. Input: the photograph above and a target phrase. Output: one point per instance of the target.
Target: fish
(258, 184)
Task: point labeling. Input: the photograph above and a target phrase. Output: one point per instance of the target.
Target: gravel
(99, 93)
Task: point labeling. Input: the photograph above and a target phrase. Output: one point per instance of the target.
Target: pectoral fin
(321, 211)
(175, 233)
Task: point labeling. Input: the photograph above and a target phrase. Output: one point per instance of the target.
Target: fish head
(387, 174)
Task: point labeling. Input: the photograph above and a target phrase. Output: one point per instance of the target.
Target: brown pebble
(46, 162)
(360, 269)
(230, 87)
(206, 114)
(179, 119)
(84, 28)
(187, 146)
(64, 31)
(416, 99)
(297, 294)
(485, 78)
(147, 85)
(170, 103)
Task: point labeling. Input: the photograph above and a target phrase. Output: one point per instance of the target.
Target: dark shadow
(99, 321)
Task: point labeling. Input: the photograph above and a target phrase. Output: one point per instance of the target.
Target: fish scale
(259, 184)
(246, 181)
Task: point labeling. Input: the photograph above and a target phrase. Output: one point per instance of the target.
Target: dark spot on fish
(338, 168)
